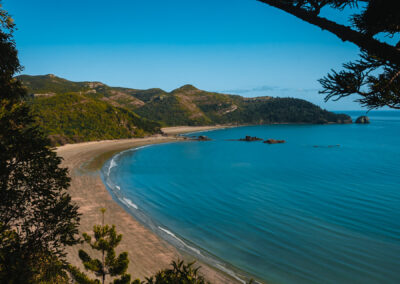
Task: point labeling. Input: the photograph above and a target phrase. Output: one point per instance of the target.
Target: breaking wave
(112, 164)
(179, 240)
(128, 202)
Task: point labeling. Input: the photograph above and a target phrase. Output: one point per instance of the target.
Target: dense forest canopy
(71, 117)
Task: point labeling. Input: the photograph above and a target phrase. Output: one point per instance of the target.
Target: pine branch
(374, 47)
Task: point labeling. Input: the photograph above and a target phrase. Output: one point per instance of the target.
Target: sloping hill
(71, 117)
(188, 105)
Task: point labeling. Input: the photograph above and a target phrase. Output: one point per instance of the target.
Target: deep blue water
(285, 213)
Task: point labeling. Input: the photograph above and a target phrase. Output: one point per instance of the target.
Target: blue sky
(236, 46)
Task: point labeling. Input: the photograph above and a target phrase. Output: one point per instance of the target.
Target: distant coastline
(71, 112)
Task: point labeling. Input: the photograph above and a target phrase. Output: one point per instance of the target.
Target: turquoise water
(285, 213)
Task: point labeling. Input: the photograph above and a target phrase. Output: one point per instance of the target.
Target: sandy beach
(187, 129)
(147, 252)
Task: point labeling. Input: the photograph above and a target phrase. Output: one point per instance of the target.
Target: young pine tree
(105, 241)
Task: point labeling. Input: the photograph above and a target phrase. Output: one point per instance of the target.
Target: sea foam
(220, 266)
(230, 273)
(113, 164)
(128, 202)
(179, 240)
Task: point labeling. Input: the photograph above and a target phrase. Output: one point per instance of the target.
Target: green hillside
(55, 99)
(71, 117)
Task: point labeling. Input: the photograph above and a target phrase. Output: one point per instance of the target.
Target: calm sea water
(285, 213)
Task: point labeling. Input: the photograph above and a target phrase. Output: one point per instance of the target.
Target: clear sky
(234, 46)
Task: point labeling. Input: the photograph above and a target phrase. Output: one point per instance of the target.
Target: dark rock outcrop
(203, 138)
(273, 141)
(362, 120)
(344, 119)
(250, 139)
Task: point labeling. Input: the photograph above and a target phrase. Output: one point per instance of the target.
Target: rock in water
(344, 120)
(273, 141)
(363, 119)
(203, 138)
(250, 139)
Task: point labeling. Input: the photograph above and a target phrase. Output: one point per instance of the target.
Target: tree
(106, 240)
(375, 76)
(37, 217)
(180, 273)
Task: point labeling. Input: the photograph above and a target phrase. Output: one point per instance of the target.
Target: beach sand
(147, 252)
(187, 129)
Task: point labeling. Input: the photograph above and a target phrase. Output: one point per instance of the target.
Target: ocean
(324, 207)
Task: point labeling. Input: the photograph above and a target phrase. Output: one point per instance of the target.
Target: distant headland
(72, 112)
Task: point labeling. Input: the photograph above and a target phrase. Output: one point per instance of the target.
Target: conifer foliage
(180, 273)
(37, 217)
(105, 241)
(375, 77)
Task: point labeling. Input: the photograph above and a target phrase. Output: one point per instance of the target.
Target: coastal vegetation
(179, 273)
(106, 239)
(83, 111)
(71, 117)
(375, 76)
(37, 217)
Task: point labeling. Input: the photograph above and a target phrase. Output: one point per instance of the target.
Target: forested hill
(56, 101)
(72, 117)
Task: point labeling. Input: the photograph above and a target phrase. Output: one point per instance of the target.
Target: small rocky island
(203, 138)
(196, 138)
(363, 120)
(254, 138)
(273, 141)
(250, 139)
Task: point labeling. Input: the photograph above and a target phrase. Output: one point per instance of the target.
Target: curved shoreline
(148, 253)
(183, 245)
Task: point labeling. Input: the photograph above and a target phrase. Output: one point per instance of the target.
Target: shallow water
(285, 213)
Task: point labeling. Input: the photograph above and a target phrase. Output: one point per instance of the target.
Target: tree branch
(374, 47)
(393, 106)
(393, 78)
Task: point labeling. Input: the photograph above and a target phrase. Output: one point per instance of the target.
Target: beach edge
(148, 252)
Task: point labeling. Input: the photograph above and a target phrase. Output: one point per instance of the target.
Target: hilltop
(63, 105)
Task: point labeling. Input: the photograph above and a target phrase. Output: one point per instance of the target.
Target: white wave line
(221, 267)
(141, 147)
(112, 164)
(230, 272)
(128, 202)
(178, 239)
